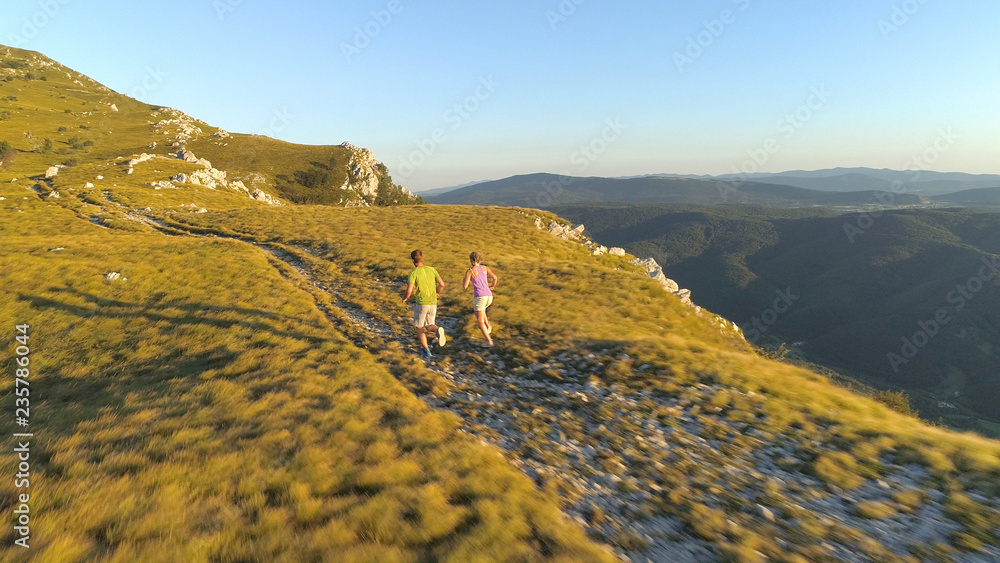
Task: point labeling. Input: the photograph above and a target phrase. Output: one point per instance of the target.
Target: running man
(428, 285)
(483, 281)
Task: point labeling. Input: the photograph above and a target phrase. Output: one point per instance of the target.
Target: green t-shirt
(425, 278)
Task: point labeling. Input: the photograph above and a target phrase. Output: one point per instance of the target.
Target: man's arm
(440, 283)
(409, 292)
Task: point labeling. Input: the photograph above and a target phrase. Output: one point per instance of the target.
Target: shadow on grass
(157, 310)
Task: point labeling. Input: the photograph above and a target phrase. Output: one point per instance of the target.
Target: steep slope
(213, 378)
(51, 115)
(545, 190)
(856, 301)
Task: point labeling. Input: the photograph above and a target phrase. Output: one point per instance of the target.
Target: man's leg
(432, 326)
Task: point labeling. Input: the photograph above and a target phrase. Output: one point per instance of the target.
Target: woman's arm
(490, 275)
(468, 277)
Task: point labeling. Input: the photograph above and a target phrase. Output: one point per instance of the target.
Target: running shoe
(426, 352)
(441, 337)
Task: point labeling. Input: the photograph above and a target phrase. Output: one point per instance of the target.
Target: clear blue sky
(551, 75)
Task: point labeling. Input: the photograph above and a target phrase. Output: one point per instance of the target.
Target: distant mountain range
(438, 191)
(985, 197)
(909, 186)
(545, 190)
(919, 182)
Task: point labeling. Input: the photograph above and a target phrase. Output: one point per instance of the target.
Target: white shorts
(424, 315)
(481, 303)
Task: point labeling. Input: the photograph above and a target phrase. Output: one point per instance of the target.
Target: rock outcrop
(363, 171)
(670, 286)
(652, 268)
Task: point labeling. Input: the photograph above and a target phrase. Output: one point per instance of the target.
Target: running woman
(483, 281)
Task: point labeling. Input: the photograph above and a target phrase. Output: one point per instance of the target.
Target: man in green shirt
(428, 285)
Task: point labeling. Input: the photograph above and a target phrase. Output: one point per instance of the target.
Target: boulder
(52, 172)
(140, 159)
(260, 195)
(616, 251)
(222, 134)
(180, 178)
(204, 162)
(186, 156)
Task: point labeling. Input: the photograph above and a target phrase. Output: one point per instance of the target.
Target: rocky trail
(651, 474)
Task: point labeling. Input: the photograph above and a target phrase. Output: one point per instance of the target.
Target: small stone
(766, 513)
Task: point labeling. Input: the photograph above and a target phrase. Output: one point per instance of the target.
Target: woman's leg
(481, 321)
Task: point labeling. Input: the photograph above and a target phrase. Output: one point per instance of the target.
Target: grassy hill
(246, 389)
(854, 302)
(51, 115)
(546, 190)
